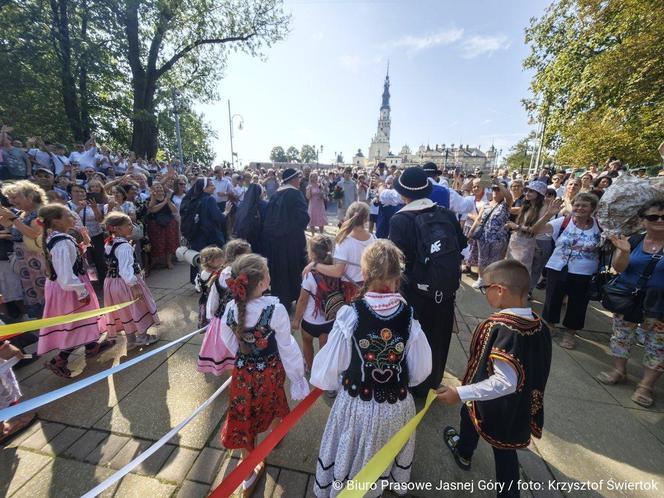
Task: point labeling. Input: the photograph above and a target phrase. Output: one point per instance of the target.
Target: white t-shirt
(86, 158)
(309, 285)
(350, 252)
(43, 159)
(576, 248)
(222, 186)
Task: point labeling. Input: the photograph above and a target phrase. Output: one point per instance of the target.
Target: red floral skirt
(256, 398)
(164, 240)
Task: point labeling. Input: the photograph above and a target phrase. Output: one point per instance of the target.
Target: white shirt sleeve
(501, 383)
(212, 302)
(63, 257)
(289, 351)
(460, 204)
(418, 354)
(390, 197)
(334, 358)
(125, 255)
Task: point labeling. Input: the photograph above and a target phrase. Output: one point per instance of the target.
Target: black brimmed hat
(413, 183)
(289, 174)
(431, 169)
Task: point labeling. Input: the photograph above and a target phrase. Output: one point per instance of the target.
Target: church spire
(386, 89)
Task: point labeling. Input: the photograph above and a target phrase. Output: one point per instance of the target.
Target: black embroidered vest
(378, 366)
(224, 298)
(258, 345)
(78, 268)
(112, 263)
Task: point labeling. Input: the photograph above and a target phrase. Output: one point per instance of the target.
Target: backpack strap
(564, 224)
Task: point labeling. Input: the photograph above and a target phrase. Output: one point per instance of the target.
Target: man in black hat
(432, 240)
(283, 238)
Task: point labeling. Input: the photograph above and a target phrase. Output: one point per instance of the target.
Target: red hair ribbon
(39, 222)
(238, 286)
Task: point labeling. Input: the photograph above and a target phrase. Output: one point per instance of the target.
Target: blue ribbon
(45, 399)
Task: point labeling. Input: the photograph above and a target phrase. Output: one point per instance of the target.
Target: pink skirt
(214, 357)
(70, 335)
(134, 319)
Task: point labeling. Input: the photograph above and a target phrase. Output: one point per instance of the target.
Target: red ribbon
(229, 485)
(238, 286)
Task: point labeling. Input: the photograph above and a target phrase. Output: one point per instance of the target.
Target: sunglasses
(654, 217)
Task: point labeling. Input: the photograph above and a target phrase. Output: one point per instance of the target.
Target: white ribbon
(152, 449)
(44, 399)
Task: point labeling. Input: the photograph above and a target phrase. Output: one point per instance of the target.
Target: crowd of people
(379, 296)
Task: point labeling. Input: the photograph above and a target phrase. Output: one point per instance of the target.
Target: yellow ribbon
(385, 456)
(19, 328)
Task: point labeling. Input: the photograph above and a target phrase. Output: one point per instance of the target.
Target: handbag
(629, 301)
(601, 278)
(479, 231)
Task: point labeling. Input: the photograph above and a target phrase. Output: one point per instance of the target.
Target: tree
(172, 42)
(307, 154)
(278, 155)
(599, 74)
(293, 155)
(196, 136)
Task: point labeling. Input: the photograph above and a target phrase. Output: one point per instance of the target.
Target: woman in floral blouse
(490, 231)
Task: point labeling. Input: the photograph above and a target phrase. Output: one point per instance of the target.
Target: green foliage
(196, 136)
(278, 155)
(308, 154)
(599, 75)
(293, 155)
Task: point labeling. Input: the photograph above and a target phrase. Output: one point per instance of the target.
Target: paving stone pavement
(592, 432)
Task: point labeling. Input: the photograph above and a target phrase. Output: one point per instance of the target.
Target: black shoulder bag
(627, 301)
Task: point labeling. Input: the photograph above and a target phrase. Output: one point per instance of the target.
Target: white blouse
(334, 358)
(125, 255)
(289, 351)
(63, 257)
(213, 297)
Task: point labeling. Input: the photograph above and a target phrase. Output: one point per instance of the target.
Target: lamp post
(230, 130)
(318, 151)
(175, 94)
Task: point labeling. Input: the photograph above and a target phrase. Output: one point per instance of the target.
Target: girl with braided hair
(67, 290)
(379, 350)
(256, 329)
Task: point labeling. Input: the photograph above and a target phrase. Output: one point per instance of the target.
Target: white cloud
(416, 43)
(477, 45)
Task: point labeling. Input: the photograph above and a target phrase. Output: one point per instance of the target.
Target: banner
(384, 457)
(13, 329)
(235, 478)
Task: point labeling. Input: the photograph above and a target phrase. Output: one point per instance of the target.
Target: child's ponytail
(358, 215)
(246, 273)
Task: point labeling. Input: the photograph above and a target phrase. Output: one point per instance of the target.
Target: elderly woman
(490, 230)
(574, 260)
(90, 209)
(163, 228)
(25, 230)
(631, 257)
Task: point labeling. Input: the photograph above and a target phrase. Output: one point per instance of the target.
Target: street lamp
(318, 151)
(176, 94)
(230, 130)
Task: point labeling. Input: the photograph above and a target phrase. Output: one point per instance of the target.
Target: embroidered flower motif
(364, 344)
(240, 363)
(261, 365)
(261, 343)
(392, 357)
(370, 356)
(399, 347)
(386, 334)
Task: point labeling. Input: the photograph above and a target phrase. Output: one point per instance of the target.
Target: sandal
(59, 367)
(100, 347)
(611, 378)
(568, 341)
(249, 485)
(643, 396)
(17, 425)
(451, 437)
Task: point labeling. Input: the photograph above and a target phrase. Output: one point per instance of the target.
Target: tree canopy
(599, 79)
(73, 68)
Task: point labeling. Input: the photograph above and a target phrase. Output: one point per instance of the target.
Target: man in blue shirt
(439, 194)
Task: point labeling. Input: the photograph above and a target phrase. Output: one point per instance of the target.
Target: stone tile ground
(592, 432)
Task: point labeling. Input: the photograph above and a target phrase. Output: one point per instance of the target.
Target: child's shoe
(451, 437)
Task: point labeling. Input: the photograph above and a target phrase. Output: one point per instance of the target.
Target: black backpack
(436, 270)
(190, 218)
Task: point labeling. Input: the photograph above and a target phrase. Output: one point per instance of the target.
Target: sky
(455, 71)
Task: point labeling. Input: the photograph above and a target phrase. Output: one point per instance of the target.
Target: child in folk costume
(256, 329)
(320, 299)
(503, 388)
(211, 262)
(124, 282)
(214, 357)
(381, 350)
(67, 290)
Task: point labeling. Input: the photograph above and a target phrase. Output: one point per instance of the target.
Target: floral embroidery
(536, 401)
